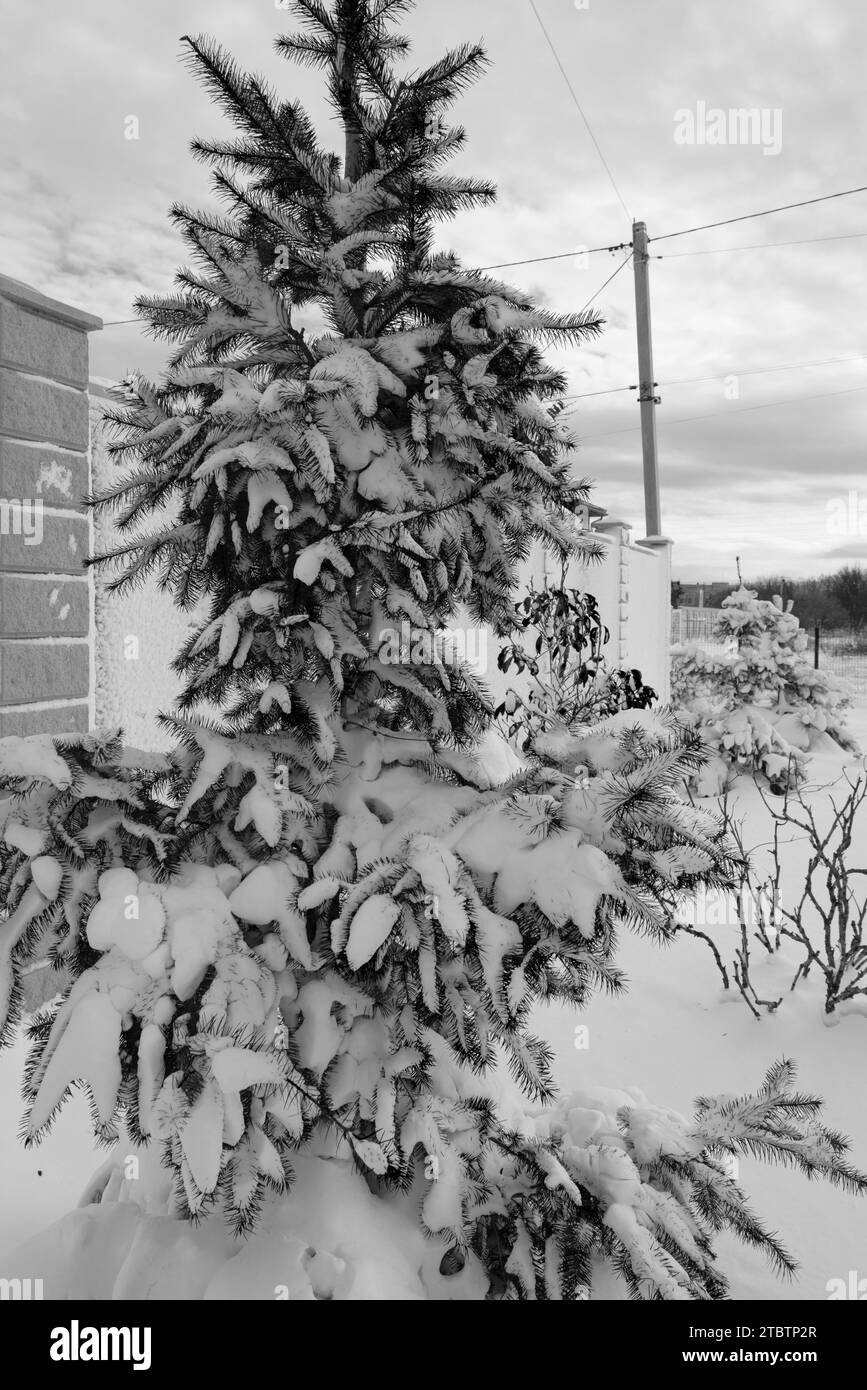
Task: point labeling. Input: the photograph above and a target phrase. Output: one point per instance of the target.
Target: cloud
(854, 552)
(84, 218)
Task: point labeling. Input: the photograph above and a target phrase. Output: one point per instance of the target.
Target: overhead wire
(596, 293)
(758, 246)
(623, 245)
(580, 109)
(560, 256)
(720, 376)
(765, 212)
(745, 410)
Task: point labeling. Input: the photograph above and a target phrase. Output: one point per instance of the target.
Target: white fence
(700, 625)
(632, 585)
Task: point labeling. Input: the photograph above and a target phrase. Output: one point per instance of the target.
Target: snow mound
(329, 1239)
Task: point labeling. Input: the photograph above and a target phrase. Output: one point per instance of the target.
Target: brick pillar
(45, 625)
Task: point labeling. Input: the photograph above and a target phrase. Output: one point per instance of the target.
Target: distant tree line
(834, 600)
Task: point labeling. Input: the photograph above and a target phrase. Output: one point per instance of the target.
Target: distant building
(700, 595)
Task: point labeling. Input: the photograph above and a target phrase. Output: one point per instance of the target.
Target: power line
(674, 255)
(501, 265)
(748, 216)
(612, 391)
(758, 246)
(580, 111)
(561, 256)
(766, 405)
(593, 296)
(762, 371)
(719, 376)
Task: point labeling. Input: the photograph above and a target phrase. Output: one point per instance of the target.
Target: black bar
(187, 1342)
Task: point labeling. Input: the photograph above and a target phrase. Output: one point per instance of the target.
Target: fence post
(661, 546)
(816, 646)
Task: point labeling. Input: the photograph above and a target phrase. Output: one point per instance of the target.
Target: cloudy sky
(766, 458)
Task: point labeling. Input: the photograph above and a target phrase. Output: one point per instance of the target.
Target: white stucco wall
(632, 585)
(137, 634)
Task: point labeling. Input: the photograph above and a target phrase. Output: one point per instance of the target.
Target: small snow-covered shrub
(760, 708)
(746, 739)
(663, 1186)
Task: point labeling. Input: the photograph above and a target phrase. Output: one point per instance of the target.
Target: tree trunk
(353, 157)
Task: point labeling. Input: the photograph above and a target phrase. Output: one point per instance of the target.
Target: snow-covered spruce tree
(763, 705)
(307, 935)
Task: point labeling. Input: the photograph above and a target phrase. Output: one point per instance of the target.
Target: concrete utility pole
(646, 384)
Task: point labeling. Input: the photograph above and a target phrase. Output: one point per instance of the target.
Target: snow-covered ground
(671, 1037)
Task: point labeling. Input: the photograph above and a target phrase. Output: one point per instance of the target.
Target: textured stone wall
(45, 631)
